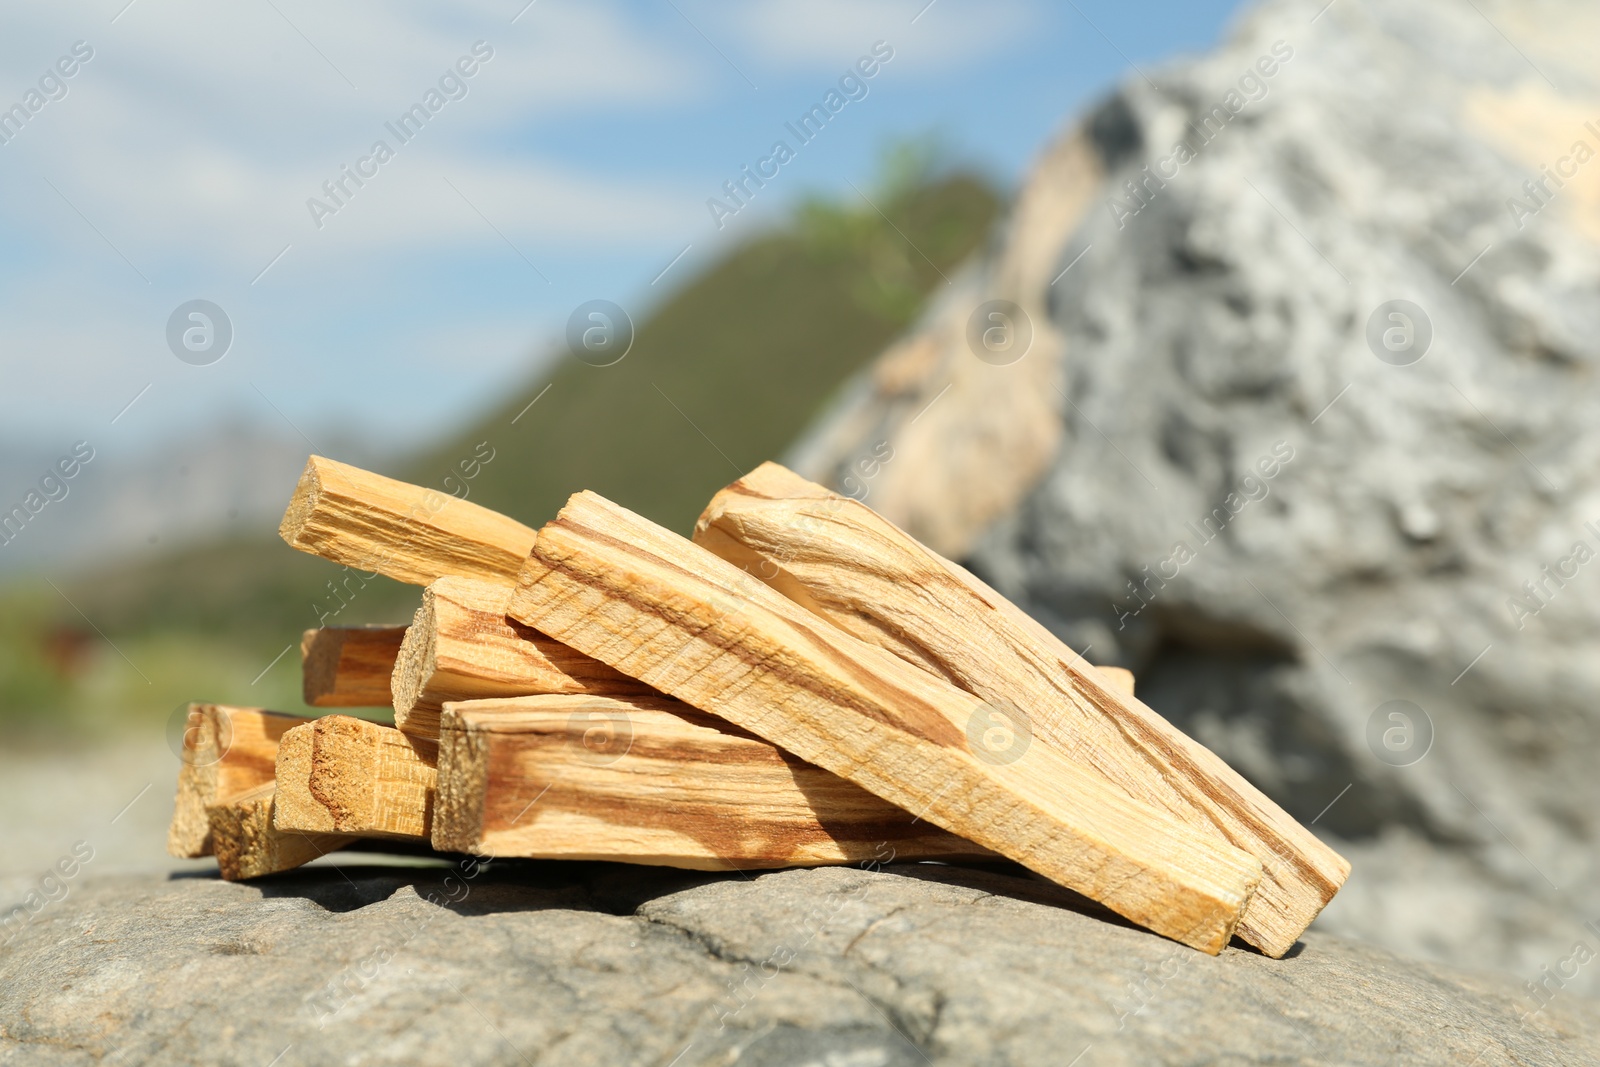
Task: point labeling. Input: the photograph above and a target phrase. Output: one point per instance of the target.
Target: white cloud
(199, 132)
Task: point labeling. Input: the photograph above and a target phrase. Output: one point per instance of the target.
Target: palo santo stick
(629, 593)
(337, 774)
(842, 560)
(411, 534)
(226, 752)
(652, 780)
(349, 666)
(461, 646)
(249, 846)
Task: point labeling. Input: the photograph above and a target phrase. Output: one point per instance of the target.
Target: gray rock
(607, 964)
(1115, 479)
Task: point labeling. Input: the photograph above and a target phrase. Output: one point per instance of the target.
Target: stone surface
(1181, 338)
(606, 964)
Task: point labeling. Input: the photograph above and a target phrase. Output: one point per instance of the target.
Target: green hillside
(723, 374)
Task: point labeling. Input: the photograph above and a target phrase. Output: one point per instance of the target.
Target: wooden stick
(462, 646)
(226, 752)
(414, 535)
(652, 780)
(651, 604)
(844, 561)
(349, 666)
(249, 846)
(343, 775)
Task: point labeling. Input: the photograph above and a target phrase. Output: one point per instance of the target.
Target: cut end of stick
(339, 774)
(303, 504)
(294, 807)
(459, 810)
(378, 525)
(414, 666)
(189, 836)
(226, 751)
(248, 845)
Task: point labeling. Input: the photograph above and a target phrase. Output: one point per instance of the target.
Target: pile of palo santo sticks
(802, 683)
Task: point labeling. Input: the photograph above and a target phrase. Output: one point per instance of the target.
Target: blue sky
(577, 164)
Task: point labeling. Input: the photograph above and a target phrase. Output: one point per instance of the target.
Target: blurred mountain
(213, 483)
(1294, 411)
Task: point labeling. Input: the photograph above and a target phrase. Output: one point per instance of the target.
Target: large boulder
(593, 964)
(1289, 403)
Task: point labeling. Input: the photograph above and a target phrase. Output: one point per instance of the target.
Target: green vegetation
(723, 375)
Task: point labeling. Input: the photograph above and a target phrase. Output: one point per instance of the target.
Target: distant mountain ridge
(215, 483)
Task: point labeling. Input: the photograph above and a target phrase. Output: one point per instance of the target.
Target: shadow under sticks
(521, 885)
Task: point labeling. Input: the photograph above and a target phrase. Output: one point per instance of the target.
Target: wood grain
(653, 605)
(248, 845)
(840, 559)
(226, 752)
(377, 525)
(339, 774)
(463, 646)
(651, 780)
(349, 666)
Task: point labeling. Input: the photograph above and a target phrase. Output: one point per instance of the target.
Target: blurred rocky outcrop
(1351, 544)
